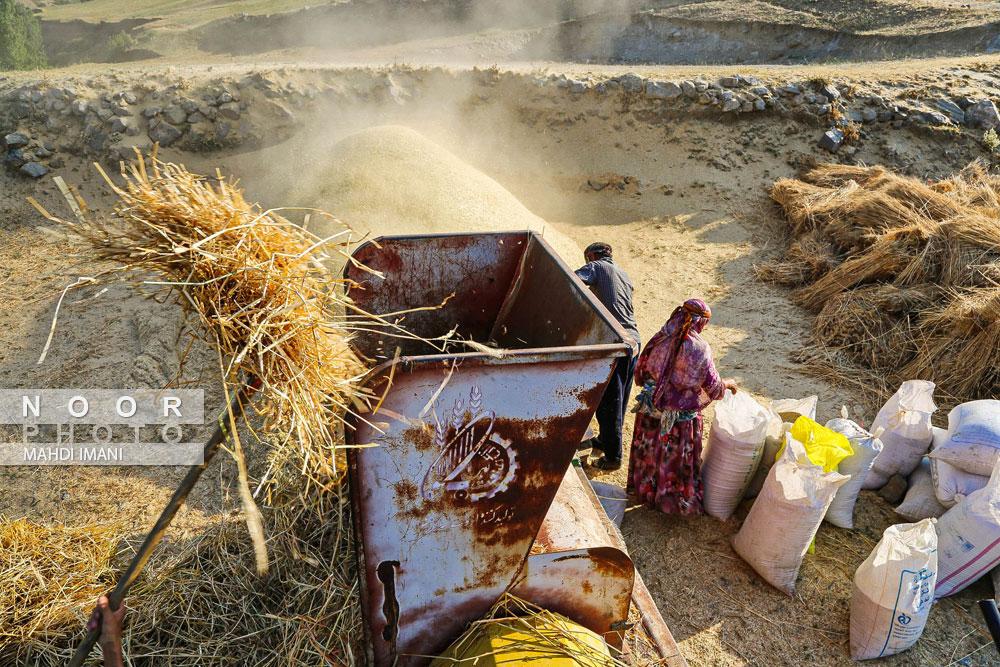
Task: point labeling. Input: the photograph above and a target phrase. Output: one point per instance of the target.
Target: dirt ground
(692, 219)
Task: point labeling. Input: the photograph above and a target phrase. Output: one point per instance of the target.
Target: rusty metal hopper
(471, 446)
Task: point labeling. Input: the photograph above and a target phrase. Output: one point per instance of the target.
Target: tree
(20, 37)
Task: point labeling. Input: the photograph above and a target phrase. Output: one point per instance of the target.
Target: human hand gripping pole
(227, 421)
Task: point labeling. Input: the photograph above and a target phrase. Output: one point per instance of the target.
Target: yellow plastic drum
(543, 640)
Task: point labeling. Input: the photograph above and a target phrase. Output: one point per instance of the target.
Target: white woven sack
(969, 538)
(774, 437)
(920, 501)
(790, 408)
(893, 591)
(785, 517)
(950, 483)
(973, 442)
(733, 453)
(857, 466)
(906, 418)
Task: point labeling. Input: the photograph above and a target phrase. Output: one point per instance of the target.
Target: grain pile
(393, 180)
(904, 276)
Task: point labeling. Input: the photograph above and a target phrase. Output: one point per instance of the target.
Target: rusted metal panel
(592, 587)
(470, 447)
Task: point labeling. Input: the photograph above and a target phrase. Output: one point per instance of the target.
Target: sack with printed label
(893, 591)
(906, 420)
(973, 442)
(733, 453)
(866, 447)
(969, 538)
(785, 517)
(950, 483)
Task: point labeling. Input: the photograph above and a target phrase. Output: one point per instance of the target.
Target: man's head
(596, 251)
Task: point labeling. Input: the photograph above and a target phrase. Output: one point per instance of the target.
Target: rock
(132, 130)
(576, 86)
(57, 163)
(830, 91)
(832, 140)
(119, 110)
(763, 91)
(631, 82)
(705, 98)
(728, 96)
(16, 140)
(935, 118)
(164, 134)
(149, 112)
(983, 114)
(190, 106)
(731, 105)
(823, 110)
(105, 114)
(854, 116)
(952, 110)
(175, 115)
(898, 123)
(689, 89)
(663, 91)
(884, 116)
(759, 105)
(729, 81)
(701, 86)
(98, 141)
(225, 98)
(129, 97)
(894, 490)
(876, 100)
(205, 110)
(42, 151)
(222, 131)
(14, 159)
(230, 110)
(964, 102)
(20, 110)
(790, 91)
(120, 125)
(196, 117)
(750, 80)
(34, 169)
(869, 115)
(78, 108)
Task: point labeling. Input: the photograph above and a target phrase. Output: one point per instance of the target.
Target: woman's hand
(731, 385)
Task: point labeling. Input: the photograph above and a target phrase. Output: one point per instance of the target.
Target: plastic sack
(950, 483)
(774, 437)
(866, 447)
(733, 453)
(893, 591)
(969, 538)
(973, 442)
(920, 501)
(906, 418)
(790, 409)
(785, 517)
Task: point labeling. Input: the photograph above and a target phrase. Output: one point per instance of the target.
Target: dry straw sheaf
(904, 275)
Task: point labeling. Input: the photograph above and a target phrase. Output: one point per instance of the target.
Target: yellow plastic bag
(824, 447)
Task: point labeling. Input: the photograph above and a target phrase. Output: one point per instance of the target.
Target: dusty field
(691, 218)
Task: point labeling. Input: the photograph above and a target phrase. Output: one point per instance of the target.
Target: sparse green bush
(991, 142)
(121, 42)
(20, 37)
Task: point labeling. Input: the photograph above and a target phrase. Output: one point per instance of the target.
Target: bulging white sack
(790, 409)
(973, 442)
(857, 466)
(893, 591)
(785, 517)
(969, 538)
(906, 418)
(950, 483)
(733, 453)
(920, 501)
(774, 437)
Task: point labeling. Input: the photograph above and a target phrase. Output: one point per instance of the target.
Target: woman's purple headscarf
(680, 362)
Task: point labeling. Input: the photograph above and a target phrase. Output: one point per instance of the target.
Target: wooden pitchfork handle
(117, 596)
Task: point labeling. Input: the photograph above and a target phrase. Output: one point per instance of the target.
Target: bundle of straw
(905, 275)
(258, 284)
(48, 574)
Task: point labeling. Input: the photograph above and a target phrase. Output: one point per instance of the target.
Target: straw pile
(904, 276)
(48, 574)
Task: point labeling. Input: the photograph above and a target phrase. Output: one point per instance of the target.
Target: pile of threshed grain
(904, 275)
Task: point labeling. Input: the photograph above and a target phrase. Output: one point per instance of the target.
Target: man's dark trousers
(611, 409)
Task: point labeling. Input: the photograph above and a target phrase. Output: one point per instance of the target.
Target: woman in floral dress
(678, 378)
